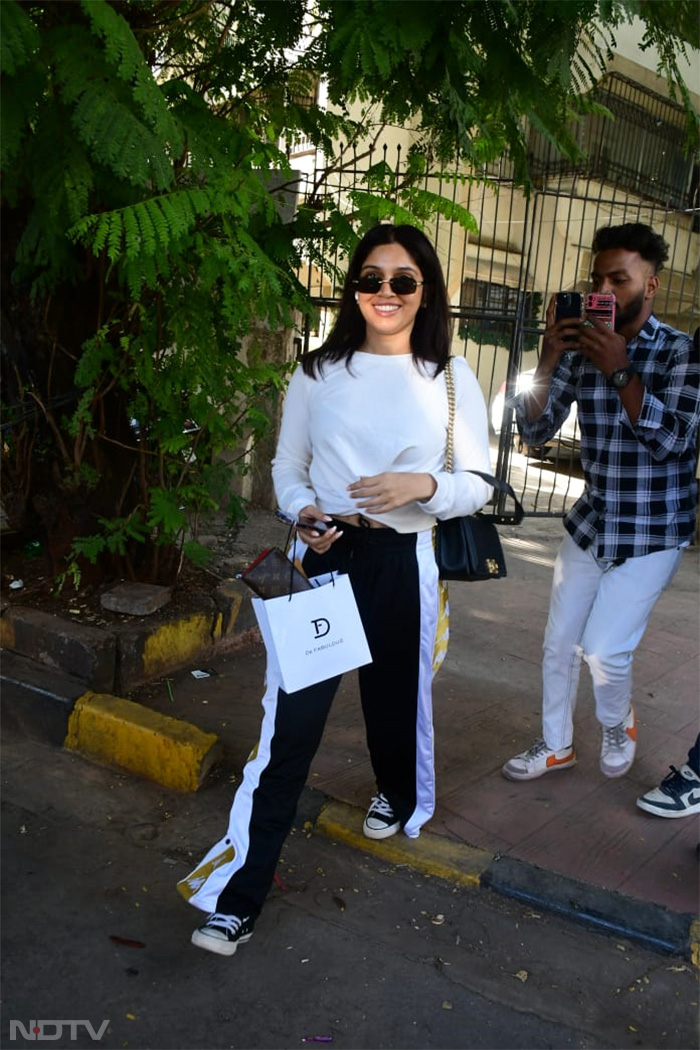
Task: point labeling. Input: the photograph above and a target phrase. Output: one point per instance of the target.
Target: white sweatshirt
(386, 413)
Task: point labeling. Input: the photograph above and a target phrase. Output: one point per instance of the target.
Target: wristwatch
(621, 377)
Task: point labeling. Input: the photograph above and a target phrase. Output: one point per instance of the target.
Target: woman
(361, 454)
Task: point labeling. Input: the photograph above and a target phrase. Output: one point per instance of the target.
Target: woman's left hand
(383, 492)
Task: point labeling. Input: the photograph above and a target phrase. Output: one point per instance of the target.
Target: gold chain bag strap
(469, 547)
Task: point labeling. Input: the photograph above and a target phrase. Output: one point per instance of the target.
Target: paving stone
(136, 599)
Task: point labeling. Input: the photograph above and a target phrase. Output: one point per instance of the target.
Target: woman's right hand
(320, 542)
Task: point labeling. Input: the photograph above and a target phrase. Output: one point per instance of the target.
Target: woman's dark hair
(431, 335)
(633, 237)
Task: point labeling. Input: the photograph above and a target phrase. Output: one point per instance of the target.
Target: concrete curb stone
(126, 655)
(80, 711)
(36, 699)
(121, 733)
(472, 867)
(88, 653)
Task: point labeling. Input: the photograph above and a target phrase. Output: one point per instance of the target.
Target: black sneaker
(678, 795)
(223, 933)
(380, 821)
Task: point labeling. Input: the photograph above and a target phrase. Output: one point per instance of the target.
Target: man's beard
(630, 313)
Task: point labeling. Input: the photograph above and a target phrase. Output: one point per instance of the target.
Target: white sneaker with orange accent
(618, 747)
(538, 760)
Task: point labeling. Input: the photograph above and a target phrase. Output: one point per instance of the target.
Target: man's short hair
(633, 237)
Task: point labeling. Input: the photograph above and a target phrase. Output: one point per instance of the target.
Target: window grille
(488, 310)
(640, 150)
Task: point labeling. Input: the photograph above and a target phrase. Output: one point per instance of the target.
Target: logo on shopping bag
(321, 627)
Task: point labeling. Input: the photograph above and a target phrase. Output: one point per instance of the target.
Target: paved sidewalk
(576, 842)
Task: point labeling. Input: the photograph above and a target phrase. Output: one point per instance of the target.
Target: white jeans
(598, 611)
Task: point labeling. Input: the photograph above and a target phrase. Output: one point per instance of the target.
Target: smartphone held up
(602, 306)
(597, 304)
(568, 304)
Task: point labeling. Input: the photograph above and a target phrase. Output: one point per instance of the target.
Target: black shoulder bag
(469, 548)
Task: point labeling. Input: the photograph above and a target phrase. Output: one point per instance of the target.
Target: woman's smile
(389, 317)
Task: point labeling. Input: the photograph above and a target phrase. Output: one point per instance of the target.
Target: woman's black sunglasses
(401, 284)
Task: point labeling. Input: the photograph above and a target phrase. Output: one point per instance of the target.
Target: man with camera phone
(636, 389)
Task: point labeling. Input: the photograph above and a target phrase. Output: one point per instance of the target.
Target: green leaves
(146, 228)
(115, 538)
(150, 211)
(465, 75)
(19, 39)
(123, 53)
(107, 114)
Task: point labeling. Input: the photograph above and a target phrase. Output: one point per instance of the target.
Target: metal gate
(500, 280)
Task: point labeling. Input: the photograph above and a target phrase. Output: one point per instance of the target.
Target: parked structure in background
(500, 278)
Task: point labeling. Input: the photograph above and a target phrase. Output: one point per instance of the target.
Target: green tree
(146, 245)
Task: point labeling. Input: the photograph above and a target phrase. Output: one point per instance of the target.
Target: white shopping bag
(313, 635)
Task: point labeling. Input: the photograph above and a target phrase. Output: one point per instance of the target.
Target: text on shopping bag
(313, 635)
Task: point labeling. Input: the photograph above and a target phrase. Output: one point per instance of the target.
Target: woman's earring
(357, 297)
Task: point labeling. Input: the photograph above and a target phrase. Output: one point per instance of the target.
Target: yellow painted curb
(174, 643)
(121, 733)
(225, 625)
(430, 854)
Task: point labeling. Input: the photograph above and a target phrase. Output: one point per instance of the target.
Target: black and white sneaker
(380, 821)
(678, 795)
(223, 933)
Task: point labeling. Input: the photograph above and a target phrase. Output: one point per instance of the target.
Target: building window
(640, 150)
(488, 312)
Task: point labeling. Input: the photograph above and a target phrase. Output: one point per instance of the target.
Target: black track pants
(394, 579)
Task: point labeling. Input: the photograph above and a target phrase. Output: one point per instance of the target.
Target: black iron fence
(500, 279)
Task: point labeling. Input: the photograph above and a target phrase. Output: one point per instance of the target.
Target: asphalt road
(348, 948)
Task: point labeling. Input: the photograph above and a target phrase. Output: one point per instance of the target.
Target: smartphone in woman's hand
(302, 523)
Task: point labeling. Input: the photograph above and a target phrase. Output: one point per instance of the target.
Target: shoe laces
(615, 737)
(380, 805)
(230, 923)
(680, 778)
(537, 749)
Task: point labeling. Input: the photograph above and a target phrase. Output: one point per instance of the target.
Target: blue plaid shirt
(641, 491)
